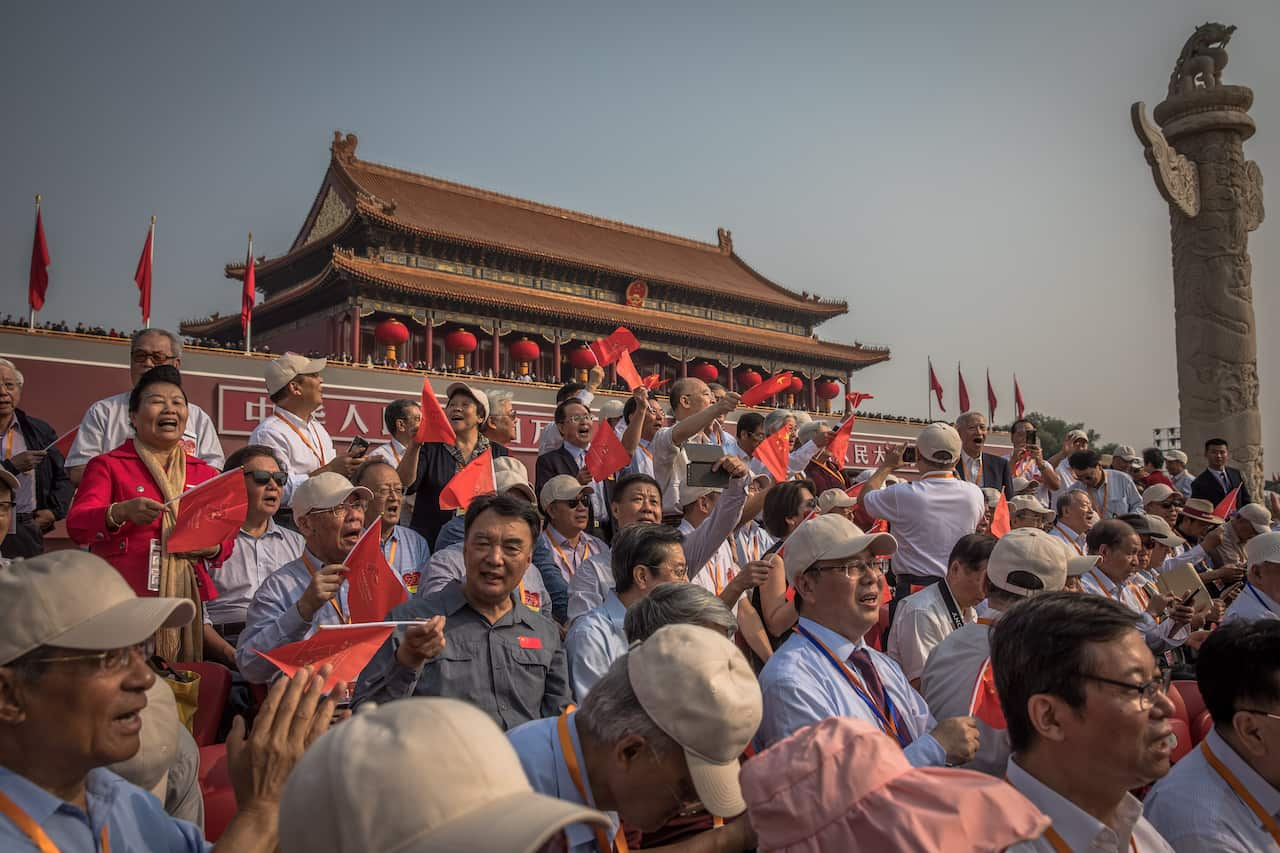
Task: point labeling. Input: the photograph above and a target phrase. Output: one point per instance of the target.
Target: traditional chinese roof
(431, 207)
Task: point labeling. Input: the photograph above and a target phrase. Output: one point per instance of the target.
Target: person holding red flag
(577, 426)
(406, 552)
(694, 409)
(311, 590)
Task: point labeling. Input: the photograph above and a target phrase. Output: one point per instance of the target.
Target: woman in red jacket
(120, 511)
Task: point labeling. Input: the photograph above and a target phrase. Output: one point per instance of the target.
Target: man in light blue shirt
(1260, 598)
(406, 551)
(1113, 492)
(825, 669)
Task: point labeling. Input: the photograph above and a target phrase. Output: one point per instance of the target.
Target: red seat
(878, 637)
(1201, 727)
(1190, 692)
(219, 809)
(215, 785)
(1179, 706)
(1183, 733)
(215, 689)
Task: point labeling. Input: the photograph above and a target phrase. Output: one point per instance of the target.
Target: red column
(559, 375)
(496, 362)
(813, 394)
(355, 334)
(431, 344)
(732, 389)
(684, 369)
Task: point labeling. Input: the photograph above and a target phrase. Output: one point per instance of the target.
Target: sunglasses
(574, 502)
(263, 477)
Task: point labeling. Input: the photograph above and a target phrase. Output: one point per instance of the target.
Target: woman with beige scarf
(123, 511)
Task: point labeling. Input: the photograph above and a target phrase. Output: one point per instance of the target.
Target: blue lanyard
(1249, 587)
(892, 725)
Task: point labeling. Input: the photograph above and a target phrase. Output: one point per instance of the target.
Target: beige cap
(939, 442)
(1201, 510)
(10, 481)
(512, 464)
(359, 787)
(1263, 548)
(1156, 493)
(149, 767)
(1127, 453)
(481, 398)
(76, 600)
(1077, 435)
(1176, 456)
(1257, 515)
(561, 487)
(865, 474)
(1162, 532)
(1078, 564)
(689, 494)
(1030, 503)
(698, 688)
(1105, 460)
(830, 537)
(1032, 551)
(611, 408)
(834, 499)
(281, 371)
(1020, 484)
(324, 491)
(512, 474)
(991, 495)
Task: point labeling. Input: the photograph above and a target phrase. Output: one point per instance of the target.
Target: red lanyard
(1268, 821)
(319, 457)
(34, 831)
(575, 773)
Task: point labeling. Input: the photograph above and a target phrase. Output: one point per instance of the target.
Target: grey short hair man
(776, 420)
(678, 604)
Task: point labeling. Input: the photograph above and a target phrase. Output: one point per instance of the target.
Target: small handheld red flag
(348, 650)
(964, 390)
(857, 398)
(627, 370)
(608, 350)
(605, 455)
(209, 514)
(1000, 524)
(435, 424)
(38, 285)
(838, 447)
(143, 275)
(653, 382)
(471, 482)
(1228, 504)
(991, 400)
(985, 701)
(63, 443)
(757, 394)
(774, 453)
(373, 589)
(248, 294)
(1017, 397)
(936, 387)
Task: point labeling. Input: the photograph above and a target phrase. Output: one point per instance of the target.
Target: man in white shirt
(105, 424)
(717, 433)
(1224, 796)
(925, 619)
(1261, 596)
(1088, 719)
(1027, 460)
(651, 414)
(401, 418)
(292, 430)
(1023, 563)
(927, 516)
(1075, 517)
(566, 503)
(694, 410)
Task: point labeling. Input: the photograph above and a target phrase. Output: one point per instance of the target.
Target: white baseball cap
(481, 398)
(689, 494)
(1156, 493)
(992, 496)
(1176, 456)
(939, 442)
(324, 491)
(611, 408)
(833, 499)
(1078, 564)
(1263, 548)
(283, 370)
(1077, 435)
(1035, 556)
(1030, 503)
(1127, 453)
(1258, 516)
(830, 537)
(561, 487)
(1162, 532)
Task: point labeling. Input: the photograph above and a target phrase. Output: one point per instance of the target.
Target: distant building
(1167, 438)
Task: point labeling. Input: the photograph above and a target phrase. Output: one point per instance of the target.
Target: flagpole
(929, 385)
(151, 264)
(248, 327)
(31, 320)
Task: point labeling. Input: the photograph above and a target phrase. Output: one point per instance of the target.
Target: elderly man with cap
(1088, 719)
(929, 515)
(406, 552)
(1027, 511)
(1125, 458)
(985, 470)
(1175, 462)
(1112, 492)
(44, 492)
(1261, 596)
(1248, 521)
(1164, 501)
(311, 590)
(73, 686)
(566, 503)
(837, 501)
(926, 618)
(105, 425)
(486, 805)
(292, 430)
(427, 468)
(826, 669)
(1023, 563)
(661, 731)
(477, 640)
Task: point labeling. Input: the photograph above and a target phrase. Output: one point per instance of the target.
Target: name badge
(153, 566)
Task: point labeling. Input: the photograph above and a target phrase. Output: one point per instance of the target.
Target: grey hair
(497, 399)
(969, 416)
(174, 341)
(1067, 498)
(371, 462)
(677, 604)
(776, 420)
(611, 712)
(17, 374)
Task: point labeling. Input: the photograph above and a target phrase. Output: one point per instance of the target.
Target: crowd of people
(954, 650)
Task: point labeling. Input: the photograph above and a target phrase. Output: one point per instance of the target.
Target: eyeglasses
(580, 419)
(387, 492)
(112, 660)
(1263, 713)
(10, 386)
(851, 570)
(1146, 691)
(261, 478)
(583, 501)
(1173, 504)
(682, 572)
(144, 357)
(341, 509)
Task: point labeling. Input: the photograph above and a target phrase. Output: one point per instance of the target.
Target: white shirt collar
(1079, 829)
(292, 418)
(1267, 796)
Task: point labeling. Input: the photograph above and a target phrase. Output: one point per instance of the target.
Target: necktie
(861, 661)
(1226, 483)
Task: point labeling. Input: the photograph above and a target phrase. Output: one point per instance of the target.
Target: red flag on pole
(605, 455)
(964, 390)
(857, 398)
(985, 701)
(757, 394)
(1228, 504)
(348, 649)
(1000, 524)
(248, 294)
(474, 480)
(935, 386)
(38, 285)
(63, 443)
(209, 514)
(607, 350)
(1017, 397)
(373, 589)
(838, 447)
(143, 275)
(435, 424)
(627, 370)
(653, 382)
(774, 453)
(991, 400)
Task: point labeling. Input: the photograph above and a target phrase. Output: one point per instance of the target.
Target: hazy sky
(965, 175)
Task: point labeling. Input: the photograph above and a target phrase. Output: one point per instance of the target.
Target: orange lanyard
(1106, 494)
(314, 452)
(1051, 835)
(940, 475)
(577, 561)
(334, 601)
(8, 445)
(391, 557)
(34, 831)
(964, 468)
(886, 717)
(571, 764)
(985, 620)
(1093, 573)
(1069, 538)
(1268, 821)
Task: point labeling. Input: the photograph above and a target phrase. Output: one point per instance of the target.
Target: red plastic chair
(1201, 727)
(215, 689)
(878, 637)
(1179, 707)
(1190, 692)
(1183, 733)
(215, 786)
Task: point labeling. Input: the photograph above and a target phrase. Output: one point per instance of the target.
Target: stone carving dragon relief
(1177, 178)
(1202, 59)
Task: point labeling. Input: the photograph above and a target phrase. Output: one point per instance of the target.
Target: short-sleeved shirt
(252, 560)
(105, 426)
(670, 467)
(594, 642)
(392, 451)
(1160, 636)
(921, 622)
(570, 557)
(947, 685)
(407, 554)
(303, 446)
(928, 517)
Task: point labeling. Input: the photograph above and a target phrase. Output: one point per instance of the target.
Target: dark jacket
(436, 467)
(53, 488)
(1208, 487)
(996, 473)
(561, 461)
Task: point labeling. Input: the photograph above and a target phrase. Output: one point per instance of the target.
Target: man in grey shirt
(477, 641)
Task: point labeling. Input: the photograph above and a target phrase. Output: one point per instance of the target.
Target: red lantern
(748, 379)
(827, 390)
(582, 358)
(705, 371)
(391, 333)
(460, 342)
(524, 351)
(797, 384)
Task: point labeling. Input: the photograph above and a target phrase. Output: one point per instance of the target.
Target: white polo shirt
(927, 517)
(105, 426)
(304, 446)
(920, 623)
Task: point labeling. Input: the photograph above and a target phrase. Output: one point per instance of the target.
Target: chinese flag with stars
(774, 453)
(838, 448)
(605, 456)
(373, 589)
(757, 394)
(348, 649)
(610, 349)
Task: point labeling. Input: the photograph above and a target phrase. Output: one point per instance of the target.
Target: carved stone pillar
(1215, 200)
